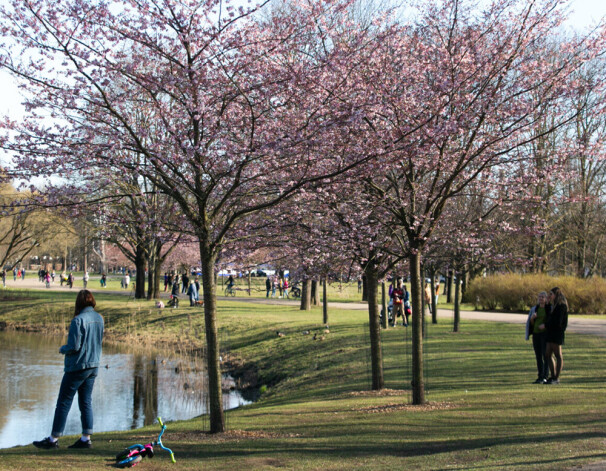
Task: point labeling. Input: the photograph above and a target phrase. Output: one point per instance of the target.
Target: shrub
(512, 292)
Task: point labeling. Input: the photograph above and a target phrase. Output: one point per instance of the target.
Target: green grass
(317, 412)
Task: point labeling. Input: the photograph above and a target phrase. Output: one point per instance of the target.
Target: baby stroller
(389, 312)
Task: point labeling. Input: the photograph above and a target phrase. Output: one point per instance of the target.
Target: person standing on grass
(192, 292)
(85, 278)
(392, 286)
(535, 326)
(406, 299)
(286, 286)
(437, 288)
(428, 296)
(267, 286)
(175, 293)
(185, 279)
(82, 355)
(397, 296)
(555, 326)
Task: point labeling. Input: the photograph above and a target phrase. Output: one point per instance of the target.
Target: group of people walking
(547, 322)
(181, 284)
(276, 283)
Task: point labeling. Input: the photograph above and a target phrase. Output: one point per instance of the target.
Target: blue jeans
(76, 381)
(539, 343)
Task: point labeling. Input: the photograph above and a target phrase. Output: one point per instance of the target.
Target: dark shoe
(538, 381)
(46, 444)
(552, 381)
(80, 444)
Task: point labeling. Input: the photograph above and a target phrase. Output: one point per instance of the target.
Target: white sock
(85, 438)
(52, 439)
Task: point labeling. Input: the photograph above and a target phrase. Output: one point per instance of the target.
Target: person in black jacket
(555, 326)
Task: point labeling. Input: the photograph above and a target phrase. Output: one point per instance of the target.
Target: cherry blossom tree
(250, 107)
(470, 89)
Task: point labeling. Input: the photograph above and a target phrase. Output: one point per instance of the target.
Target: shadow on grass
(288, 448)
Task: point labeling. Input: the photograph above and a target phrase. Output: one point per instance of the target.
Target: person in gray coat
(192, 292)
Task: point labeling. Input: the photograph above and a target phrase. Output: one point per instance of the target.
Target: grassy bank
(317, 413)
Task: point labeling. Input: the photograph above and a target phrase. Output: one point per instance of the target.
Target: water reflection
(130, 391)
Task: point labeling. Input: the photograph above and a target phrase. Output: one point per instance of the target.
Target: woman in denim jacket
(82, 354)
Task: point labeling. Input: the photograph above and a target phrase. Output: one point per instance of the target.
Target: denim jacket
(83, 349)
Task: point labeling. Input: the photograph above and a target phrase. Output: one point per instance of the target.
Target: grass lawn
(318, 412)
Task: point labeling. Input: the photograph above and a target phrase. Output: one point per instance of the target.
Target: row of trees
(338, 138)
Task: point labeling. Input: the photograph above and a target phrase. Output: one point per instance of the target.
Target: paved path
(575, 324)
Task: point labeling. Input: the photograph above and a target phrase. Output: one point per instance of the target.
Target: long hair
(84, 299)
(559, 297)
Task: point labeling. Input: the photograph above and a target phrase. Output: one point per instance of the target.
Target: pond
(132, 389)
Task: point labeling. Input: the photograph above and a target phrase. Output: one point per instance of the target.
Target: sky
(585, 13)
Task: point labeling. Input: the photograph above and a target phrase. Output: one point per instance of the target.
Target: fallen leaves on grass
(229, 436)
(386, 408)
(380, 393)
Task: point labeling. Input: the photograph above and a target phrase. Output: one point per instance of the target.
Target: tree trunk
(306, 295)
(101, 256)
(154, 268)
(85, 250)
(324, 303)
(364, 289)
(418, 384)
(423, 299)
(151, 270)
(376, 354)
(140, 263)
(450, 286)
(457, 305)
(383, 306)
(464, 282)
(157, 280)
(217, 417)
(434, 305)
(315, 293)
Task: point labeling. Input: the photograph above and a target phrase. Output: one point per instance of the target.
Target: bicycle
(295, 291)
(132, 455)
(230, 291)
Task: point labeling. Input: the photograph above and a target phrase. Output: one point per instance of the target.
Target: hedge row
(519, 292)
